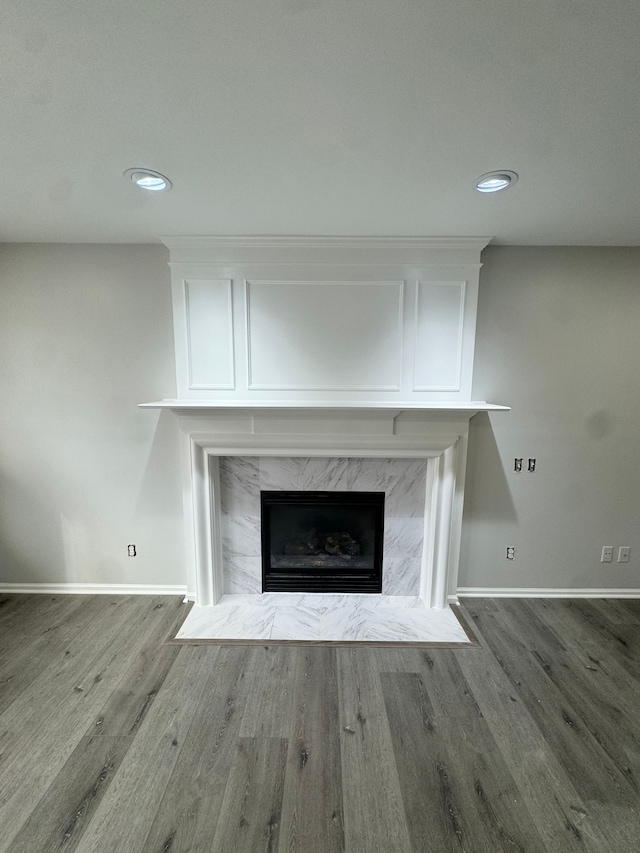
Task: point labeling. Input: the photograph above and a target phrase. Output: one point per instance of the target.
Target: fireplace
(422, 536)
(324, 348)
(322, 541)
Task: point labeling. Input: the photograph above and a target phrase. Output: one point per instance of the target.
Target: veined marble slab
(315, 617)
(402, 480)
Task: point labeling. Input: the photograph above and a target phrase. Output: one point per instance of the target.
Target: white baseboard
(544, 592)
(94, 588)
(177, 589)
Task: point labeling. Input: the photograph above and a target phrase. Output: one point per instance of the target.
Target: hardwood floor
(112, 741)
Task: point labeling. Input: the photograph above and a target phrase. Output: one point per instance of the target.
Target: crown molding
(282, 249)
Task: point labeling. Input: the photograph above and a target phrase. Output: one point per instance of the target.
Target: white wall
(86, 335)
(559, 341)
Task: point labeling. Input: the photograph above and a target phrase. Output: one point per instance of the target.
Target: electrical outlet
(623, 554)
(131, 550)
(511, 552)
(607, 554)
(532, 465)
(517, 465)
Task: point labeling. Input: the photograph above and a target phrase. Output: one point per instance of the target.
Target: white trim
(194, 386)
(545, 592)
(194, 250)
(416, 320)
(330, 242)
(254, 386)
(266, 444)
(205, 549)
(215, 528)
(470, 408)
(95, 588)
(438, 570)
(428, 568)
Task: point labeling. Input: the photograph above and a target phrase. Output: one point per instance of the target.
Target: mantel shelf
(469, 408)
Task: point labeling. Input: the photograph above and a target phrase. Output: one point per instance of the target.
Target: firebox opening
(322, 541)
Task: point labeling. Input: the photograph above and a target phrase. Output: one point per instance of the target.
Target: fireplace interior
(322, 541)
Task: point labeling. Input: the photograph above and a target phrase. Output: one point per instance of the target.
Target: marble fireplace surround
(242, 478)
(417, 451)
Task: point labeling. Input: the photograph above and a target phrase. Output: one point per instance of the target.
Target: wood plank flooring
(112, 741)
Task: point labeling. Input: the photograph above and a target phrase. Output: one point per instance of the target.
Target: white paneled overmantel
(362, 319)
(320, 363)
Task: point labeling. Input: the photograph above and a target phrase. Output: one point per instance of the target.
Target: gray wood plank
(115, 741)
(449, 692)
(143, 674)
(187, 816)
(619, 642)
(457, 790)
(37, 747)
(602, 708)
(8, 604)
(594, 775)
(374, 817)
(618, 611)
(271, 676)
(27, 625)
(312, 807)
(60, 687)
(396, 660)
(613, 678)
(250, 812)
(32, 652)
(428, 794)
(632, 606)
(69, 803)
(125, 815)
(23, 614)
(564, 820)
(62, 815)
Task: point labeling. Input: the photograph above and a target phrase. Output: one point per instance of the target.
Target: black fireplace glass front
(322, 541)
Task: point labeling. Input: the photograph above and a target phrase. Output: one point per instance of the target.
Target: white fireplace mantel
(470, 408)
(437, 433)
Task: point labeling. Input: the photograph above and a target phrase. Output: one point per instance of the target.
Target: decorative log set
(316, 544)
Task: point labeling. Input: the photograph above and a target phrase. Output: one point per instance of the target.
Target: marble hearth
(317, 618)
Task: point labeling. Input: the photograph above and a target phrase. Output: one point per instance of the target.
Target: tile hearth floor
(322, 618)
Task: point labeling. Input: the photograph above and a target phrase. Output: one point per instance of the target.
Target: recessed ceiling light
(492, 182)
(147, 179)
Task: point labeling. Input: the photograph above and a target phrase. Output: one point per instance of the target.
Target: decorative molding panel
(346, 319)
(324, 335)
(439, 329)
(209, 320)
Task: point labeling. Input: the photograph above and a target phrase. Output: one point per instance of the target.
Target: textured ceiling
(319, 117)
